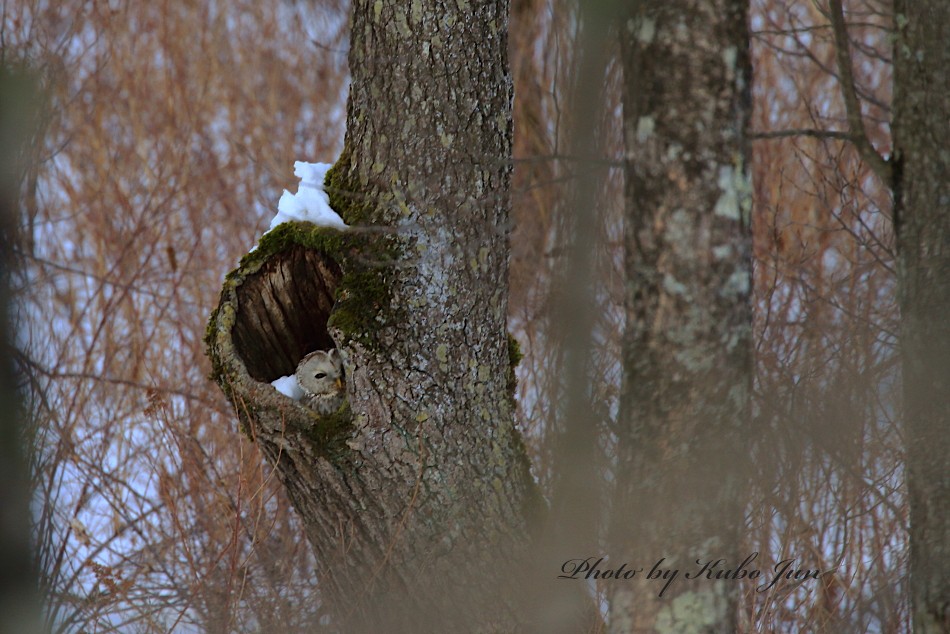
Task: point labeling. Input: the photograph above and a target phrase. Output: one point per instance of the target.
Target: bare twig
(809, 132)
(853, 109)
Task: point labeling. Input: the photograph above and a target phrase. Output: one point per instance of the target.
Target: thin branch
(119, 381)
(593, 160)
(809, 132)
(855, 125)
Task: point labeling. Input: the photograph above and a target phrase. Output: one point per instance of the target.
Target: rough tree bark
(687, 350)
(921, 129)
(415, 497)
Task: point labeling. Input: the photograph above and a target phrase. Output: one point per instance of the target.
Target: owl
(320, 375)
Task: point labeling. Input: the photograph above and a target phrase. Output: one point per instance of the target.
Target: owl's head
(321, 372)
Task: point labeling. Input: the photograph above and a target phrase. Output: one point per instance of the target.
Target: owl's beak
(339, 384)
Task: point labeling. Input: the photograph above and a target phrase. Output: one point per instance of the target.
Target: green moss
(327, 431)
(330, 241)
(360, 302)
(218, 373)
(347, 197)
(364, 294)
(514, 352)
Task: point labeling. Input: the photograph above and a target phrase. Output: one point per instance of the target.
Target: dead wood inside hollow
(282, 312)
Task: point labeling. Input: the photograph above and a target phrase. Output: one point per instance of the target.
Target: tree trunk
(19, 605)
(687, 347)
(921, 129)
(415, 500)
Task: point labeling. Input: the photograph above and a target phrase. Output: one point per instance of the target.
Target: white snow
(311, 203)
(288, 386)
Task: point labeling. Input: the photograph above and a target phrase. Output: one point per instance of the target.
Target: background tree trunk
(19, 607)
(416, 506)
(687, 351)
(921, 129)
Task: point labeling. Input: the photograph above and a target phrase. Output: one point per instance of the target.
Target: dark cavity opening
(282, 312)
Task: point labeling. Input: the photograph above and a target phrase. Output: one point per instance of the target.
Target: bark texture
(921, 129)
(687, 350)
(415, 497)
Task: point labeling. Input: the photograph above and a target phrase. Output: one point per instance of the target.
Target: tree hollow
(282, 312)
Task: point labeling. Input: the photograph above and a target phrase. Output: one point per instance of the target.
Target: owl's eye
(320, 375)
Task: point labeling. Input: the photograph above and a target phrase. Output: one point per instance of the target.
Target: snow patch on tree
(311, 202)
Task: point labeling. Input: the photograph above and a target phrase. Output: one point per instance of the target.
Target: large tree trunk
(415, 502)
(687, 351)
(921, 130)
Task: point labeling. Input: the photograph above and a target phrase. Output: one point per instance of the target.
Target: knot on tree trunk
(272, 311)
